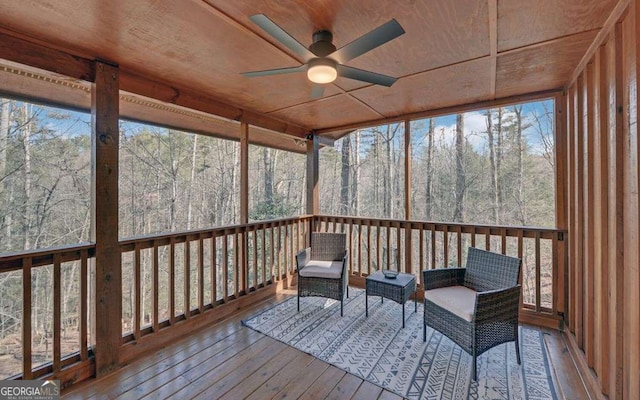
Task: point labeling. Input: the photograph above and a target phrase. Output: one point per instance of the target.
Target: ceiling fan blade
(281, 36)
(317, 91)
(368, 41)
(276, 71)
(365, 76)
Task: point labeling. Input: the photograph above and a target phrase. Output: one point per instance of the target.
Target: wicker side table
(398, 289)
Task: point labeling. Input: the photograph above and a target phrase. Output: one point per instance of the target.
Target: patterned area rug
(378, 350)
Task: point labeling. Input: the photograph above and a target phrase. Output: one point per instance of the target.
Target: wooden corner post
(104, 227)
(244, 204)
(313, 176)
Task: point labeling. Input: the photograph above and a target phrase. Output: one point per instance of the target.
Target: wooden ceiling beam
(493, 43)
(43, 57)
(35, 55)
(546, 94)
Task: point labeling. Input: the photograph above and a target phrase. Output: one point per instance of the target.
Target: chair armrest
(302, 258)
(498, 305)
(442, 277)
(345, 262)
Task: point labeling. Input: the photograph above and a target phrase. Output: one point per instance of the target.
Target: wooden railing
(411, 246)
(168, 278)
(53, 272)
(171, 280)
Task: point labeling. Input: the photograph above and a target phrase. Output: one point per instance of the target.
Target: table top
(401, 280)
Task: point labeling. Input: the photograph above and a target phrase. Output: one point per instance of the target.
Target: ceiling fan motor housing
(322, 44)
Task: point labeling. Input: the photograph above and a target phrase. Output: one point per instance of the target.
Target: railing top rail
(13, 261)
(197, 232)
(403, 223)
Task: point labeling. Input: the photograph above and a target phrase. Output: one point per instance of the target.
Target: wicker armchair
(477, 306)
(322, 268)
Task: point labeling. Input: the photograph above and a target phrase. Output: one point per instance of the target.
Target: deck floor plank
(222, 351)
(290, 372)
(346, 388)
(225, 376)
(254, 378)
(324, 384)
(367, 391)
(298, 386)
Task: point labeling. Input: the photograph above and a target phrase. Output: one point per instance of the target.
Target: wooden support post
(104, 229)
(244, 207)
(408, 248)
(313, 175)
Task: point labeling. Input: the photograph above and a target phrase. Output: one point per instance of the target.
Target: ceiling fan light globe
(322, 73)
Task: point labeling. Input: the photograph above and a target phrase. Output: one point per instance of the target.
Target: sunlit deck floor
(231, 361)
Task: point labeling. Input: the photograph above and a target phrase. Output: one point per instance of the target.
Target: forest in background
(489, 167)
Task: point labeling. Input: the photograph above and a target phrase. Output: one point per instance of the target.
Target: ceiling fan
(322, 61)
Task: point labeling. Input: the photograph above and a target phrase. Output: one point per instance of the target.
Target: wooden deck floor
(230, 361)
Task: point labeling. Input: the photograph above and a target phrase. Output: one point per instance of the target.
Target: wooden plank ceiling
(453, 52)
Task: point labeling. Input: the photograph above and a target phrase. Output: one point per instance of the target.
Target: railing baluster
(27, 342)
(57, 313)
(285, 255)
(137, 286)
(201, 274)
(172, 280)
(554, 273)
(399, 264)
(445, 245)
(156, 286)
(264, 255)
(225, 267)
(254, 243)
(187, 278)
(214, 270)
(433, 245)
(459, 244)
(369, 261)
(388, 245)
(237, 268)
(272, 261)
(473, 236)
(488, 240)
(538, 282)
(503, 243)
(84, 299)
(378, 229)
(421, 250)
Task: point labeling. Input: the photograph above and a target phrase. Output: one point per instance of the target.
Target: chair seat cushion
(459, 300)
(322, 269)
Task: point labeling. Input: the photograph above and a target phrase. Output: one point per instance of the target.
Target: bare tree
(429, 171)
(344, 176)
(458, 215)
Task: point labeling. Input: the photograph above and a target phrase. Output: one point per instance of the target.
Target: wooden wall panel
(631, 381)
(615, 215)
(604, 227)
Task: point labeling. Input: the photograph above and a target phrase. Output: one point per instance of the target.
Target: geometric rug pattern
(379, 350)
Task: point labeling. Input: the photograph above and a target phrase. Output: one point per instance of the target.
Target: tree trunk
(493, 172)
(520, 156)
(429, 172)
(389, 172)
(268, 176)
(458, 215)
(4, 135)
(192, 179)
(344, 176)
(499, 164)
(356, 194)
(26, 141)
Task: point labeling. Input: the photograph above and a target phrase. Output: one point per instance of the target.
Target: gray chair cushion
(458, 300)
(322, 269)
